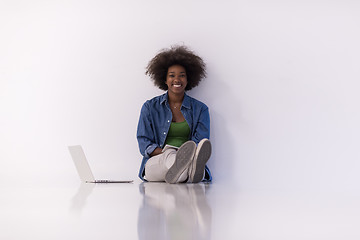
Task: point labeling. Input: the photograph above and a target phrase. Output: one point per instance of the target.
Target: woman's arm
(145, 133)
(157, 151)
(202, 127)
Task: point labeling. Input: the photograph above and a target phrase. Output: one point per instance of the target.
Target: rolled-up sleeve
(145, 132)
(202, 126)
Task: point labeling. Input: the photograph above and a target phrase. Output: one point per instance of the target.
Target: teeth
(177, 85)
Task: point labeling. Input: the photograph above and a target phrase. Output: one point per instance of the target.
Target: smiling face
(176, 79)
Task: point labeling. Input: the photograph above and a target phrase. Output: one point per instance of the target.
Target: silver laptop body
(83, 167)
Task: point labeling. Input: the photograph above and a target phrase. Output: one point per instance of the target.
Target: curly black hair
(177, 55)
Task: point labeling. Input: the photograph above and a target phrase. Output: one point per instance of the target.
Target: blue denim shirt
(155, 120)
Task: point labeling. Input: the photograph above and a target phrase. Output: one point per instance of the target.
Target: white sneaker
(202, 155)
(184, 157)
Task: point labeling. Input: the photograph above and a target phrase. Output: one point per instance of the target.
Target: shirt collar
(185, 103)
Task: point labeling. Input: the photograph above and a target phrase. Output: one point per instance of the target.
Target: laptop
(83, 167)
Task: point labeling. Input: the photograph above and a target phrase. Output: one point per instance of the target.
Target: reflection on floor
(175, 211)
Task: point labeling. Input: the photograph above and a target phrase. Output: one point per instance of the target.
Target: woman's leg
(157, 166)
(180, 168)
(202, 155)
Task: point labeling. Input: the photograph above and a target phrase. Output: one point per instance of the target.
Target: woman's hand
(157, 151)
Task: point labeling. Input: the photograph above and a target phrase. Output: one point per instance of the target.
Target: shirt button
(164, 133)
(168, 120)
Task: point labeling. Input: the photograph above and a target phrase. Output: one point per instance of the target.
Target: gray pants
(157, 167)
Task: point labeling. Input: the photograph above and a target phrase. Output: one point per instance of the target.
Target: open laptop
(83, 167)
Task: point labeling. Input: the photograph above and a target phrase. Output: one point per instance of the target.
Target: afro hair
(177, 55)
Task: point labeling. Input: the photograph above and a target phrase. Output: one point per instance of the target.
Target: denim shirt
(155, 120)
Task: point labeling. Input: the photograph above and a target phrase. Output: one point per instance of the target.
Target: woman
(175, 119)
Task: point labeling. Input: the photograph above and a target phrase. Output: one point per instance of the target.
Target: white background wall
(282, 87)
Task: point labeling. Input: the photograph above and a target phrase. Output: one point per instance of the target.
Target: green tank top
(179, 133)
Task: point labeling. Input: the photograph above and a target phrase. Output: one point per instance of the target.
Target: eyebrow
(174, 72)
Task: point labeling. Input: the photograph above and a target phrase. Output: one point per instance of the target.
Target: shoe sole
(201, 157)
(184, 157)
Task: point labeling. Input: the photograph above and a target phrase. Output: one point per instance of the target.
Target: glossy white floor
(181, 211)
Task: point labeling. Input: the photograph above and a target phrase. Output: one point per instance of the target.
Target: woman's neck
(176, 98)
